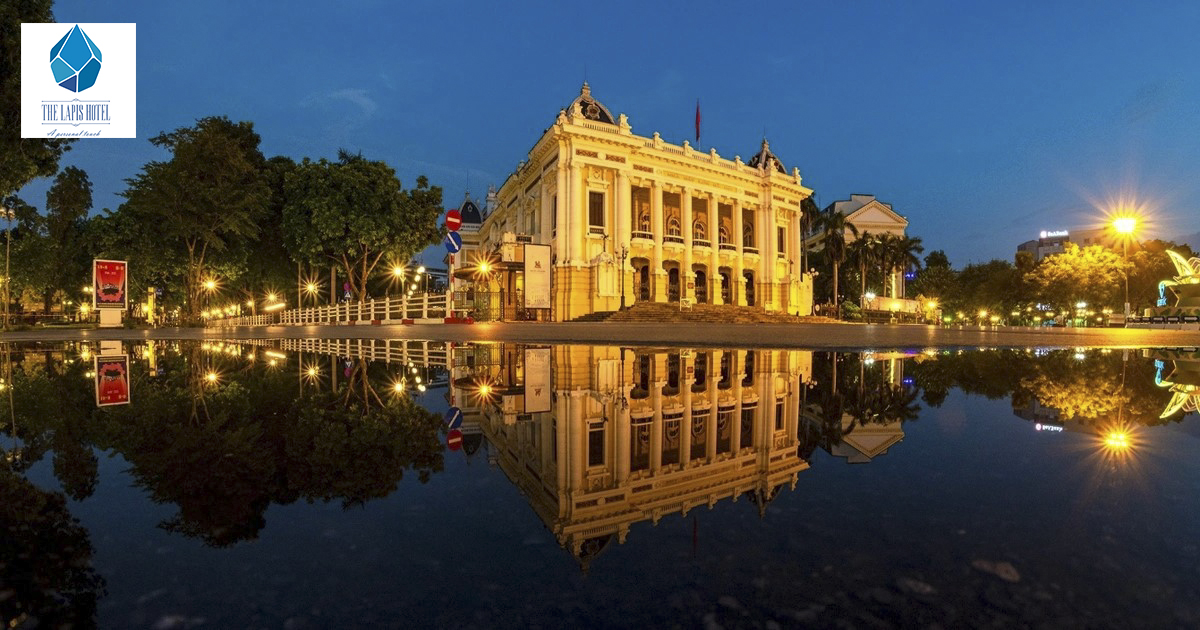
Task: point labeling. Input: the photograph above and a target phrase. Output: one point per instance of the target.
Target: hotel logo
(53, 85)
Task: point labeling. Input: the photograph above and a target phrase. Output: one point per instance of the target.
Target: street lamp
(623, 251)
(1125, 226)
(9, 216)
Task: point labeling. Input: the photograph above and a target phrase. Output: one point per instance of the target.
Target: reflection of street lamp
(1125, 226)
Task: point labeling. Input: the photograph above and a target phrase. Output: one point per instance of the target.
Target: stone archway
(726, 287)
(749, 279)
(643, 290)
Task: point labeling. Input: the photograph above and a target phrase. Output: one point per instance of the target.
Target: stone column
(659, 274)
(624, 221)
(714, 265)
(739, 261)
(686, 275)
(578, 215)
(562, 199)
(798, 269)
(766, 250)
(543, 235)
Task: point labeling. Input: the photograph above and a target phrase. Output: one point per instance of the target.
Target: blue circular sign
(453, 242)
(454, 417)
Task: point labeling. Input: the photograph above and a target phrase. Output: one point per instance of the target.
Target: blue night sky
(982, 125)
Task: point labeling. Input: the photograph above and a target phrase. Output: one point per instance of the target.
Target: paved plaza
(815, 335)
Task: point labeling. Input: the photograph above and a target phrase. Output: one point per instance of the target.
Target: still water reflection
(341, 483)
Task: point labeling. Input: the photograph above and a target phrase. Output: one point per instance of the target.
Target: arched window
(673, 226)
(644, 221)
(748, 235)
(723, 234)
(699, 230)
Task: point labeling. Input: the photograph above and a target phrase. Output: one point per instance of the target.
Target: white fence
(387, 310)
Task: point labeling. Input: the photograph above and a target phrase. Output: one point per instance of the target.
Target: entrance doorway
(673, 284)
(749, 288)
(701, 287)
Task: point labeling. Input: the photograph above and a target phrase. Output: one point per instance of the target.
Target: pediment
(876, 213)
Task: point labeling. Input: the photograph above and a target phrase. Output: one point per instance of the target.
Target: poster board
(537, 276)
(110, 284)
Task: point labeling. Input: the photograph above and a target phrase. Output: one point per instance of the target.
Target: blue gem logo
(75, 60)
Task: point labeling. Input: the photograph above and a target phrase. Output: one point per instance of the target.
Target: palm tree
(865, 250)
(905, 252)
(833, 226)
(809, 213)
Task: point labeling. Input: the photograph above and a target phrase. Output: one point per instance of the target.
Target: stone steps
(703, 313)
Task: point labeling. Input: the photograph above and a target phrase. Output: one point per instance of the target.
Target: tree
(995, 286)
(353, 212)
(833, 226)
(1148, 266)
(21, 159)
(906, 250)
(67, 204)
(204, 202)
(1091, 274)
(938, 279)
(865, 250)
(809, 212)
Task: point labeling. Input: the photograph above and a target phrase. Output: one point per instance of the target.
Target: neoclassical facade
(631, 218)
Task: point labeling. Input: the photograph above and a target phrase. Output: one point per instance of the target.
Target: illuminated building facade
(631, 218)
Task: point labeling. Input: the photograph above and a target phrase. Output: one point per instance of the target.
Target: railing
(672, 238)
(386, 310)
(750, 250)
(728, 247)
(649, 236)
(700, 242)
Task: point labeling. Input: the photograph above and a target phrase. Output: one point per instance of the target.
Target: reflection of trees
(1087, 388)
(45, 559)
(250, 443)
(851, 399)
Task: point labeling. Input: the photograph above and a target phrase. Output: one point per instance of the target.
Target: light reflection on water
(303, 482)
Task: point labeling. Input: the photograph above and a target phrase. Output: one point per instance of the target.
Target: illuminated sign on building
(1054, 234)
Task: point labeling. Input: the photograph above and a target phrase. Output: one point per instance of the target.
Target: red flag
(697, 121)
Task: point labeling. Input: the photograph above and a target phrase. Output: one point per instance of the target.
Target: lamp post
(9, 215)
(1125, 227)
(624, 253)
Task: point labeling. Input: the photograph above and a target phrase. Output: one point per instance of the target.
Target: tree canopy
(353, 213)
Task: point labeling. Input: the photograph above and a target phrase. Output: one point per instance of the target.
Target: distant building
(869, 216)
(1049, 243)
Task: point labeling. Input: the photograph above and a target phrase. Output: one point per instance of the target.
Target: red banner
(112, 380)
(109, 286)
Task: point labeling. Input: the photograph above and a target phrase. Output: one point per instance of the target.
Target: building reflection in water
(600, 438)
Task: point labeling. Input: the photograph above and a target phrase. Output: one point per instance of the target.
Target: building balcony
(645, 236)
(750, 250)
(699, 242)
(673, 238)
(728, 247)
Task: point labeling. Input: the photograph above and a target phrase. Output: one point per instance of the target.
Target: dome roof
(470, 212)
(591, 108)
(765, 158)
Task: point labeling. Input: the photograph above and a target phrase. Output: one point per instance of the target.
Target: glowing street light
(1125, 226)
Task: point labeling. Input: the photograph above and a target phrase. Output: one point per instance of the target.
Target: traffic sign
(453, 220)
(453, 242)
(454, 440)
(454, 417)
